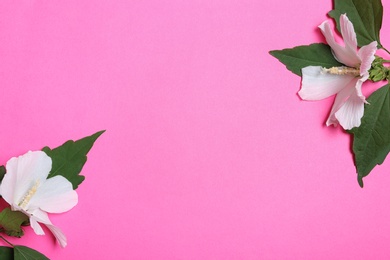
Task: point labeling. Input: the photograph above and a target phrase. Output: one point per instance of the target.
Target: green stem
(385, 50)
(6, 241)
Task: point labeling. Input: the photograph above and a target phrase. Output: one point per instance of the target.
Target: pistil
(343, 71)
(26, 199)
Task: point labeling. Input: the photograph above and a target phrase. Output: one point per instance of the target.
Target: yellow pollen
(26, 199)
(343, 71)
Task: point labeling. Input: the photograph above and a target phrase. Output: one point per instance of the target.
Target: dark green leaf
(10, 222)
(2, 172)
(317, 54)
(6, 253)
(69, 158)
(365, 15)
(371, 142)
(26, 253)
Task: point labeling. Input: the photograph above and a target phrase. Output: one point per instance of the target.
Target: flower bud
(378, 72)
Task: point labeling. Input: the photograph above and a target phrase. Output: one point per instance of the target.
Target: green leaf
(317, 54)
(10, 222)
(26, 253)
(6, 253)
(371, 142)
(365, 15)
(69, 158)
(2, 173)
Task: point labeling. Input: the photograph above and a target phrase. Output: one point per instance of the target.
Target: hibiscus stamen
(26, 199)
(342, 71)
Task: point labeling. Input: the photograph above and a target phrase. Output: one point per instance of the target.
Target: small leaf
(69, 158)
(317, 54)
(26, 253)
(10, 222)
(2, 172)
(371, 142)
(365, 15)
(6, 253)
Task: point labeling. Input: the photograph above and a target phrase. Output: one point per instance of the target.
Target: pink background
(209, 153)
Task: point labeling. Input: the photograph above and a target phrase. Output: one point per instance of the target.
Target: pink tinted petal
(318, 84)
(341, 98)
(358, 88)
(351, 112)
(349, 35)
(59, 235)
(55, 195)
(36, 227)
(339, 52)
(367, 56)
(42, 217)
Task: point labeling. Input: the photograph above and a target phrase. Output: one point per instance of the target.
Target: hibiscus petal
(59, 235)
(7, 187)
(367, 56)
(339, 52)
(55, 195)
(358, 88)
(28, 169)
(318, 84)
(350, 114)
(42, 217)
(36, 227)
(349, 37)
(340, 99)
